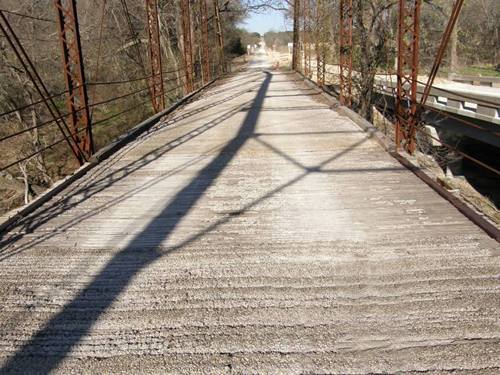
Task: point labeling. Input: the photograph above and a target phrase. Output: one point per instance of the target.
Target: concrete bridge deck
(255, 231)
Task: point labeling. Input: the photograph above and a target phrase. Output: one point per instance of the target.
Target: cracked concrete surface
(253, 231)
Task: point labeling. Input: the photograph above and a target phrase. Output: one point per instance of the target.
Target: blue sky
(262, 22)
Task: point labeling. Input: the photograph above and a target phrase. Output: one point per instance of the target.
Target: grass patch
(479, 71)
(485, 71)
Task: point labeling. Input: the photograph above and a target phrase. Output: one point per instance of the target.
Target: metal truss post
(320, 44)
(300, 50)
(296, 36)
(188, 47)
(346, 52)
(205, 53)
(307, 41)
(408, 59)
(220, 38)
(73, 70)
(156, 82)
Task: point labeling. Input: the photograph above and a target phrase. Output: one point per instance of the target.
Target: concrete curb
(405, 160)
(15, 215)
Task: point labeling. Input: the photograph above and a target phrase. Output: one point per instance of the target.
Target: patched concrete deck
(255, 231)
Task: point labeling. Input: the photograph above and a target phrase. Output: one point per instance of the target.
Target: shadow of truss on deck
(144, 249)
(101, 182)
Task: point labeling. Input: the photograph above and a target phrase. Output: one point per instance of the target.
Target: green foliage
(484, 71)
(234, 46)
(248, 38)
(278, 39)
(237, 41)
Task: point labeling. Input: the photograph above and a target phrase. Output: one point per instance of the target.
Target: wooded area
(114, 43)
(474, 45)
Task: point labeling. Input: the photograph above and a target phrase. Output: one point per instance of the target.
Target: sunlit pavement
(255, 231)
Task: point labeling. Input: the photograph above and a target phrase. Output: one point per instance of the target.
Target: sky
(262, 22)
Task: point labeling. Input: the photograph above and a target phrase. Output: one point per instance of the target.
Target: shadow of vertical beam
(50, 345)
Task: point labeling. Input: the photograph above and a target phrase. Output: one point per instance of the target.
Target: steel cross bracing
(307, 37)
(77, 132)
(320, 43)
(40, 87)
(345, 52)
(205, 52)
(187, 47)
(77, 99)
(156, 81)
(407, 74)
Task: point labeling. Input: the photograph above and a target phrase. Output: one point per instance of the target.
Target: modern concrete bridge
(462, 108)
(255, 230)
(473, 111)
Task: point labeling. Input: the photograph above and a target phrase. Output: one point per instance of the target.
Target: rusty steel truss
(407, 74)
(320, 43)
(187, 46)
(307, 37)
(40, 87)
(76, 131)
(296, 36)
(156, 81)
(345, 52)
(408, 106)
(73, 70)
(442, 49)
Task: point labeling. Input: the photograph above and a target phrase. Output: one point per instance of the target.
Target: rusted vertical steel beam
(156, 81)
(74, 75)
(309, 37)
(188, 47)
(302, 38)
(307, 66)
(442, 49)
(407, 73)
(300, 59)
(320, 44)
(345, 52)
(220, 38)
(40, 87)
(296, 36)
(205, 52)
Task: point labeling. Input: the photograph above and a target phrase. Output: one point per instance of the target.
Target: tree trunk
(453, 50)
(39, 159)
(27, 188)
(497, 49)
(366, 95)
(171, 58)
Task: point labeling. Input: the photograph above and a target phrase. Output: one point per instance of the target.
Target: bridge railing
(117, 70)
(338, 67)
(476, 80)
